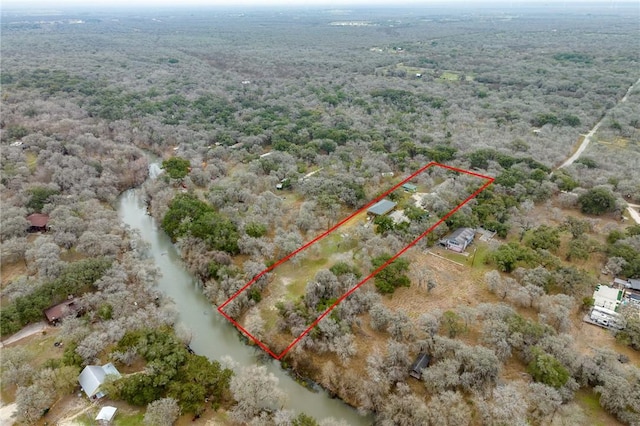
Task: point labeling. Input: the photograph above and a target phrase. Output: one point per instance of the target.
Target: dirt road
(587, 139)
(633, 212)
(6, 414)
(25, 332)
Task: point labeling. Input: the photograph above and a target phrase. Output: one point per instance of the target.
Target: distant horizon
(262, 4)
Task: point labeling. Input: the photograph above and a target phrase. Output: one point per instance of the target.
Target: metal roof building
(93, 376)
(381, 208)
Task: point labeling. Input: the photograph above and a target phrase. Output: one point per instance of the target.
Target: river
(212, 335)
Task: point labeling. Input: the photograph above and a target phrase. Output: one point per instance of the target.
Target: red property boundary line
(368, 277)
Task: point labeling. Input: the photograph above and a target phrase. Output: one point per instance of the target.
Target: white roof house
(93, 376)
(607, 297)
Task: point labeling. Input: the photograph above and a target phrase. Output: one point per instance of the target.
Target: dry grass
(456, 286)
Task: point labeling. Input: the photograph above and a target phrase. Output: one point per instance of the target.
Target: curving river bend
(213, 336)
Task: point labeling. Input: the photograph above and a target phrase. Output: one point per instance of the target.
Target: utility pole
(473, 259)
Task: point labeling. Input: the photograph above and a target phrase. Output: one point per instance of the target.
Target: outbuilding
(422, 361)
(381, 208)
(409, 187)
(38, 222)
(55, 313)
(106, 415)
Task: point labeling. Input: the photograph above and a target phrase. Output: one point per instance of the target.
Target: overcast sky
(330, 3)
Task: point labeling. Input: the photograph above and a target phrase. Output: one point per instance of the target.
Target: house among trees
(607, 297)
(421, 362)
(632, 285)
(93, 376)
(459, 240)
(381, 208)
(409, 187)
(38, 222)
(56, 312)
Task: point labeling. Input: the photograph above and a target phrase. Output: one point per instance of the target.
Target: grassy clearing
(129, 419)
(449, 76)
(615, 143)
(31, 160)
(589, 402)
(401, 67)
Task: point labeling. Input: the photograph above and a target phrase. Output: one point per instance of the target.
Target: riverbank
(211, 334)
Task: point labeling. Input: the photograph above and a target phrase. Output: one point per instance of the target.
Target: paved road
(25, 332)
(587, 138)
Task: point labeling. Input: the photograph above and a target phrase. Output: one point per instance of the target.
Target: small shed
(409, 187)
(38, 222)
(106, 414)
(56, 312)
(381, 208)
(422, 361)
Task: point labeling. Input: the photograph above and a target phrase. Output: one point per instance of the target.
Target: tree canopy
(176, 167)
(392, 276)
(597, 201)
(188, 215)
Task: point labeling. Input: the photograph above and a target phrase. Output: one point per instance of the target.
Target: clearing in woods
(289, 276)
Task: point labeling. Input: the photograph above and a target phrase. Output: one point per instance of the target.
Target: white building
(606, 317)
(93, 376)
(607, 297)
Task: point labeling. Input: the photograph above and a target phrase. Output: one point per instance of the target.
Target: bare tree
(162, 412)
(14, 223)
(449, 409)
(403, 408)
(32, 402)
(256, 392)
(44, 258)
(544, 401)
(15, 367)
(506, 407)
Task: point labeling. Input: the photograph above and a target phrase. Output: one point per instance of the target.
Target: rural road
(587, 139)
(25, 332)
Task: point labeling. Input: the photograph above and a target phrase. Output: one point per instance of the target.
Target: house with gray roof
(459, 239)
(93, 376)
(381, 208)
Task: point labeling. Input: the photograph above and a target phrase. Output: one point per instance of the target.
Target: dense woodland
(344, 104)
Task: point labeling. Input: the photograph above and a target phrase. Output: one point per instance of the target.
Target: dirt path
(633, 212)
(25, 332)
(587, 139)
(6, 414)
